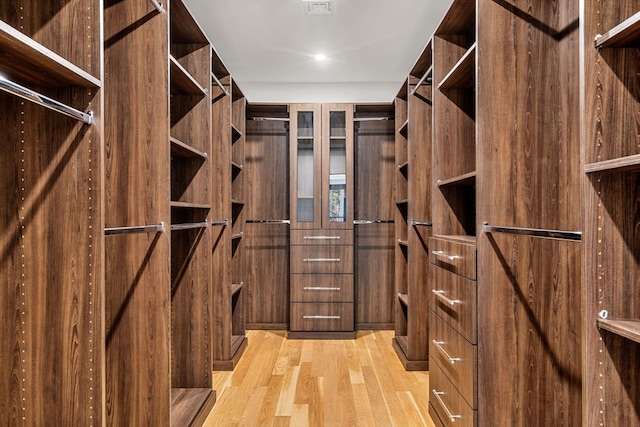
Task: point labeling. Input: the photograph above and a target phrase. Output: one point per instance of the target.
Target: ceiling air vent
(319, 7)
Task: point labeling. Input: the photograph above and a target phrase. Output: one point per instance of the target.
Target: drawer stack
(453, 331)
(321, 284)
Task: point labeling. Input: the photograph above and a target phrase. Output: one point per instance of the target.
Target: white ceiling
(269, 45)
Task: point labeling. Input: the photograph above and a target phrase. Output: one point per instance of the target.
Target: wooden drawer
(321, 237)
(446, 403)
(456, 356)
(454, 255)
(318, 317)
(322, 288)
(321, 259)
(454, 298)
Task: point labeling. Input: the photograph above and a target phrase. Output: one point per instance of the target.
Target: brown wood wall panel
(52, 263)
(528, 176)
(267, 245)
(136, 193)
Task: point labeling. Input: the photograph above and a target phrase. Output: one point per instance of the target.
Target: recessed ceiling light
(320, 57)
(319, 7)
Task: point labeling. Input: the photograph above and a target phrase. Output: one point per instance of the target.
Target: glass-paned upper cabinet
(321, 166)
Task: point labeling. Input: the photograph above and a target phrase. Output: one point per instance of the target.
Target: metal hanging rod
(224, 222)
(424, 224)
(269, 119)
(52, 104)
(215, 79)
(534, 232)
(268, 221)
(189, 225)
(372, 221)
(425, 78)
(159, 7)
(112, 231)
(372, 119)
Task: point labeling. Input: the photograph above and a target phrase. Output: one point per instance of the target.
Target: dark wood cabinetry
(413, 219)
(321, 192)
(611, 162)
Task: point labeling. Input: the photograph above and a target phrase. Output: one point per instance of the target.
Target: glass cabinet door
(305, 167)
(337, 196)
(337, 165)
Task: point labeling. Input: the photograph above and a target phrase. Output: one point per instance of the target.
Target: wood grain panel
(52, 263)
(529, 176)
(267, 245)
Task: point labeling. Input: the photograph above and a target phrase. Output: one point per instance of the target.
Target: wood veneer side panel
(52, 263)
(137, 193)
(374, 243)
(529, 324)
(267, 245)
(221, 210)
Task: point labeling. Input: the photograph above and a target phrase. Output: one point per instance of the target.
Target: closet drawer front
(321, 237)
(454, 256)
(454, 298)
(449, 406)
(322, 288)
(456, 356)
(321, 259)
(320, 317)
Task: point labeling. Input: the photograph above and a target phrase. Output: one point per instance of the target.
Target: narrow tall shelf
(413, 219)
(611, 300)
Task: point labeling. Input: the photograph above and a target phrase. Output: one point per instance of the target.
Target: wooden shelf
(625, 34)
(183, 83)
(235, 168)
(466, 179)
(237, 202)
(627, 328)
(404, 299)
(235, 133)
(236, 236)
(191, 406)
(402, 202)
(460, 238)
(189, 205)
(235, 288)
(184, 28)
(185, 150)
(404, 243)
(463, 74)
(31, 63)
(404, 128)
(460, 17)
(404, 168)
(622, 164)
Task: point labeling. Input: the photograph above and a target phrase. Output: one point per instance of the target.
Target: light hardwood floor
(281, 382)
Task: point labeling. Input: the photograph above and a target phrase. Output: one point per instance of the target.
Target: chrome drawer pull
(440, 295)
(438, 345)
(319, 288)
(321, 237)
(321, 317)
(439, 399)
(445, 255)
(321, 260)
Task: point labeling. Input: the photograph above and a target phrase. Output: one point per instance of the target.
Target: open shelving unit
(610, 188)
(51, 219)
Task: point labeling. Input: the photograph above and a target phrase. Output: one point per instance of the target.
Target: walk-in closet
(207, 220)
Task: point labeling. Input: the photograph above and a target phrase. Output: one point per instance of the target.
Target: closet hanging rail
(269, 119)
(425, 78)
(372, 119)
(159, 7)
(112, 231)
(421, 223)
(223, 223)
(220, 85)
(268, 221)
(52, 104)
(534, 232)
(189, 225)
(372, 221)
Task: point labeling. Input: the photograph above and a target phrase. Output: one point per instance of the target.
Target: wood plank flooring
(281, 382)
